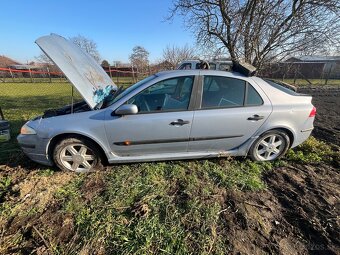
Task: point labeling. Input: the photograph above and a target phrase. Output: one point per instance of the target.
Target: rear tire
(77, 155)
(270, 146)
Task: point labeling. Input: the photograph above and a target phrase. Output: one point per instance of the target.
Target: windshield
(120, 93)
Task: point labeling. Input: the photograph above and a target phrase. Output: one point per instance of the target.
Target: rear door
(230, 111)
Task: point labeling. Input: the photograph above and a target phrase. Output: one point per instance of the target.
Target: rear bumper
(302, 136)
(35, 148)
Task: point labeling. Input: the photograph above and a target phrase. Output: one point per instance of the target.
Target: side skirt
(173, 156)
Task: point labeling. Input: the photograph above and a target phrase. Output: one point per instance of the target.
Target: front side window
(167, 95)
(222, 92)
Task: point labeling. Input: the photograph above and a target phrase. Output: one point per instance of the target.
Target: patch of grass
(46, 172)
(311, 151)
(70, 191)
(23, 101)
(152, 208)
(5, 184)
(243, 175)
(170, 208)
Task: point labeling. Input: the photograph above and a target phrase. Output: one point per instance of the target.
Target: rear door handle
(179, 122)
(256, 117)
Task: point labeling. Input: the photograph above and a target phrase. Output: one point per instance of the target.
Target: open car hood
(80, 68)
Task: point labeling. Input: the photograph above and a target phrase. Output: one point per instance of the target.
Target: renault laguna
(181, 114)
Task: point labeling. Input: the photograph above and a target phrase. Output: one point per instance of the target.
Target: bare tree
(46, 63)
(259, 30)
(175, 54)
(88, 45)
(43, 59)
(139, 58)
(105, 63)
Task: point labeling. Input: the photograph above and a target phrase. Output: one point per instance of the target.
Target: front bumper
(35, 148)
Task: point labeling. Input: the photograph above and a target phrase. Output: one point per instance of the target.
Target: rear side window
(253, 98)
(222, 92)
(225, 92)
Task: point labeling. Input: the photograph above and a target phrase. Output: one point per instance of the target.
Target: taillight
(313, 112)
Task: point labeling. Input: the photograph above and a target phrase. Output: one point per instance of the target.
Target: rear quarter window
(253, 97)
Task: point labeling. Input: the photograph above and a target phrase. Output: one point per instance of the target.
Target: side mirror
(126, 109)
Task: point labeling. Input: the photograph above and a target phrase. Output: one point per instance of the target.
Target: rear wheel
(269, 146)
(78, 155)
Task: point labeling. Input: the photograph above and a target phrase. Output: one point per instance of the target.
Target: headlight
(26, 130)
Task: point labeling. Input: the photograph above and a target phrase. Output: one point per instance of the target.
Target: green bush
(311, 151)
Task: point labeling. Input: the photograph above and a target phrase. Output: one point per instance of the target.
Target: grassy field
(177, 207)
(118, 80)
(23, 101)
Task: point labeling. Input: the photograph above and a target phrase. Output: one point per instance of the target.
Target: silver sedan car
(182, 114)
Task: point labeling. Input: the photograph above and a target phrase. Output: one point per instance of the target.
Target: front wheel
(270, 146)
(77, 155)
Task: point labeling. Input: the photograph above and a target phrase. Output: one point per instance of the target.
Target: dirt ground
(298, 213)
(326, 99)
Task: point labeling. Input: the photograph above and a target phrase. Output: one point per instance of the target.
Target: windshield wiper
(117, 92)
(111, 97)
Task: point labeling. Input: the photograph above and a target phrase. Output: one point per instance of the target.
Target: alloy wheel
(270, 147)
(77, 158)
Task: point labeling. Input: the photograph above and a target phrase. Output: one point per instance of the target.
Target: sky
(116, 26)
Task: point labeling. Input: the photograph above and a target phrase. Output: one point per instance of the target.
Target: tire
(270, 146)
(77, 155)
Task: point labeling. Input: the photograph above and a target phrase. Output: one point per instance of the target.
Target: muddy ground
(326, 99)
(298, 213)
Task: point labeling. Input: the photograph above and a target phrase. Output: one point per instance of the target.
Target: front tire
(77, 155)
(270, 146)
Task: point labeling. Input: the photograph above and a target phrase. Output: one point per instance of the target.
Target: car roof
(201, 72)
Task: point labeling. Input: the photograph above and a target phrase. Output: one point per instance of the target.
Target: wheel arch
(288, 131)
(59, 137)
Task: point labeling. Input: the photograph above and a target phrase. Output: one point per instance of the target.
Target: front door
(162, 124)
(231, 111)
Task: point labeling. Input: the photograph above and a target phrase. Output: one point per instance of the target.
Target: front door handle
(256, 117)
(179, 122)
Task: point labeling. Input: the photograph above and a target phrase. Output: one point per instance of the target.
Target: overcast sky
(116, 26)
